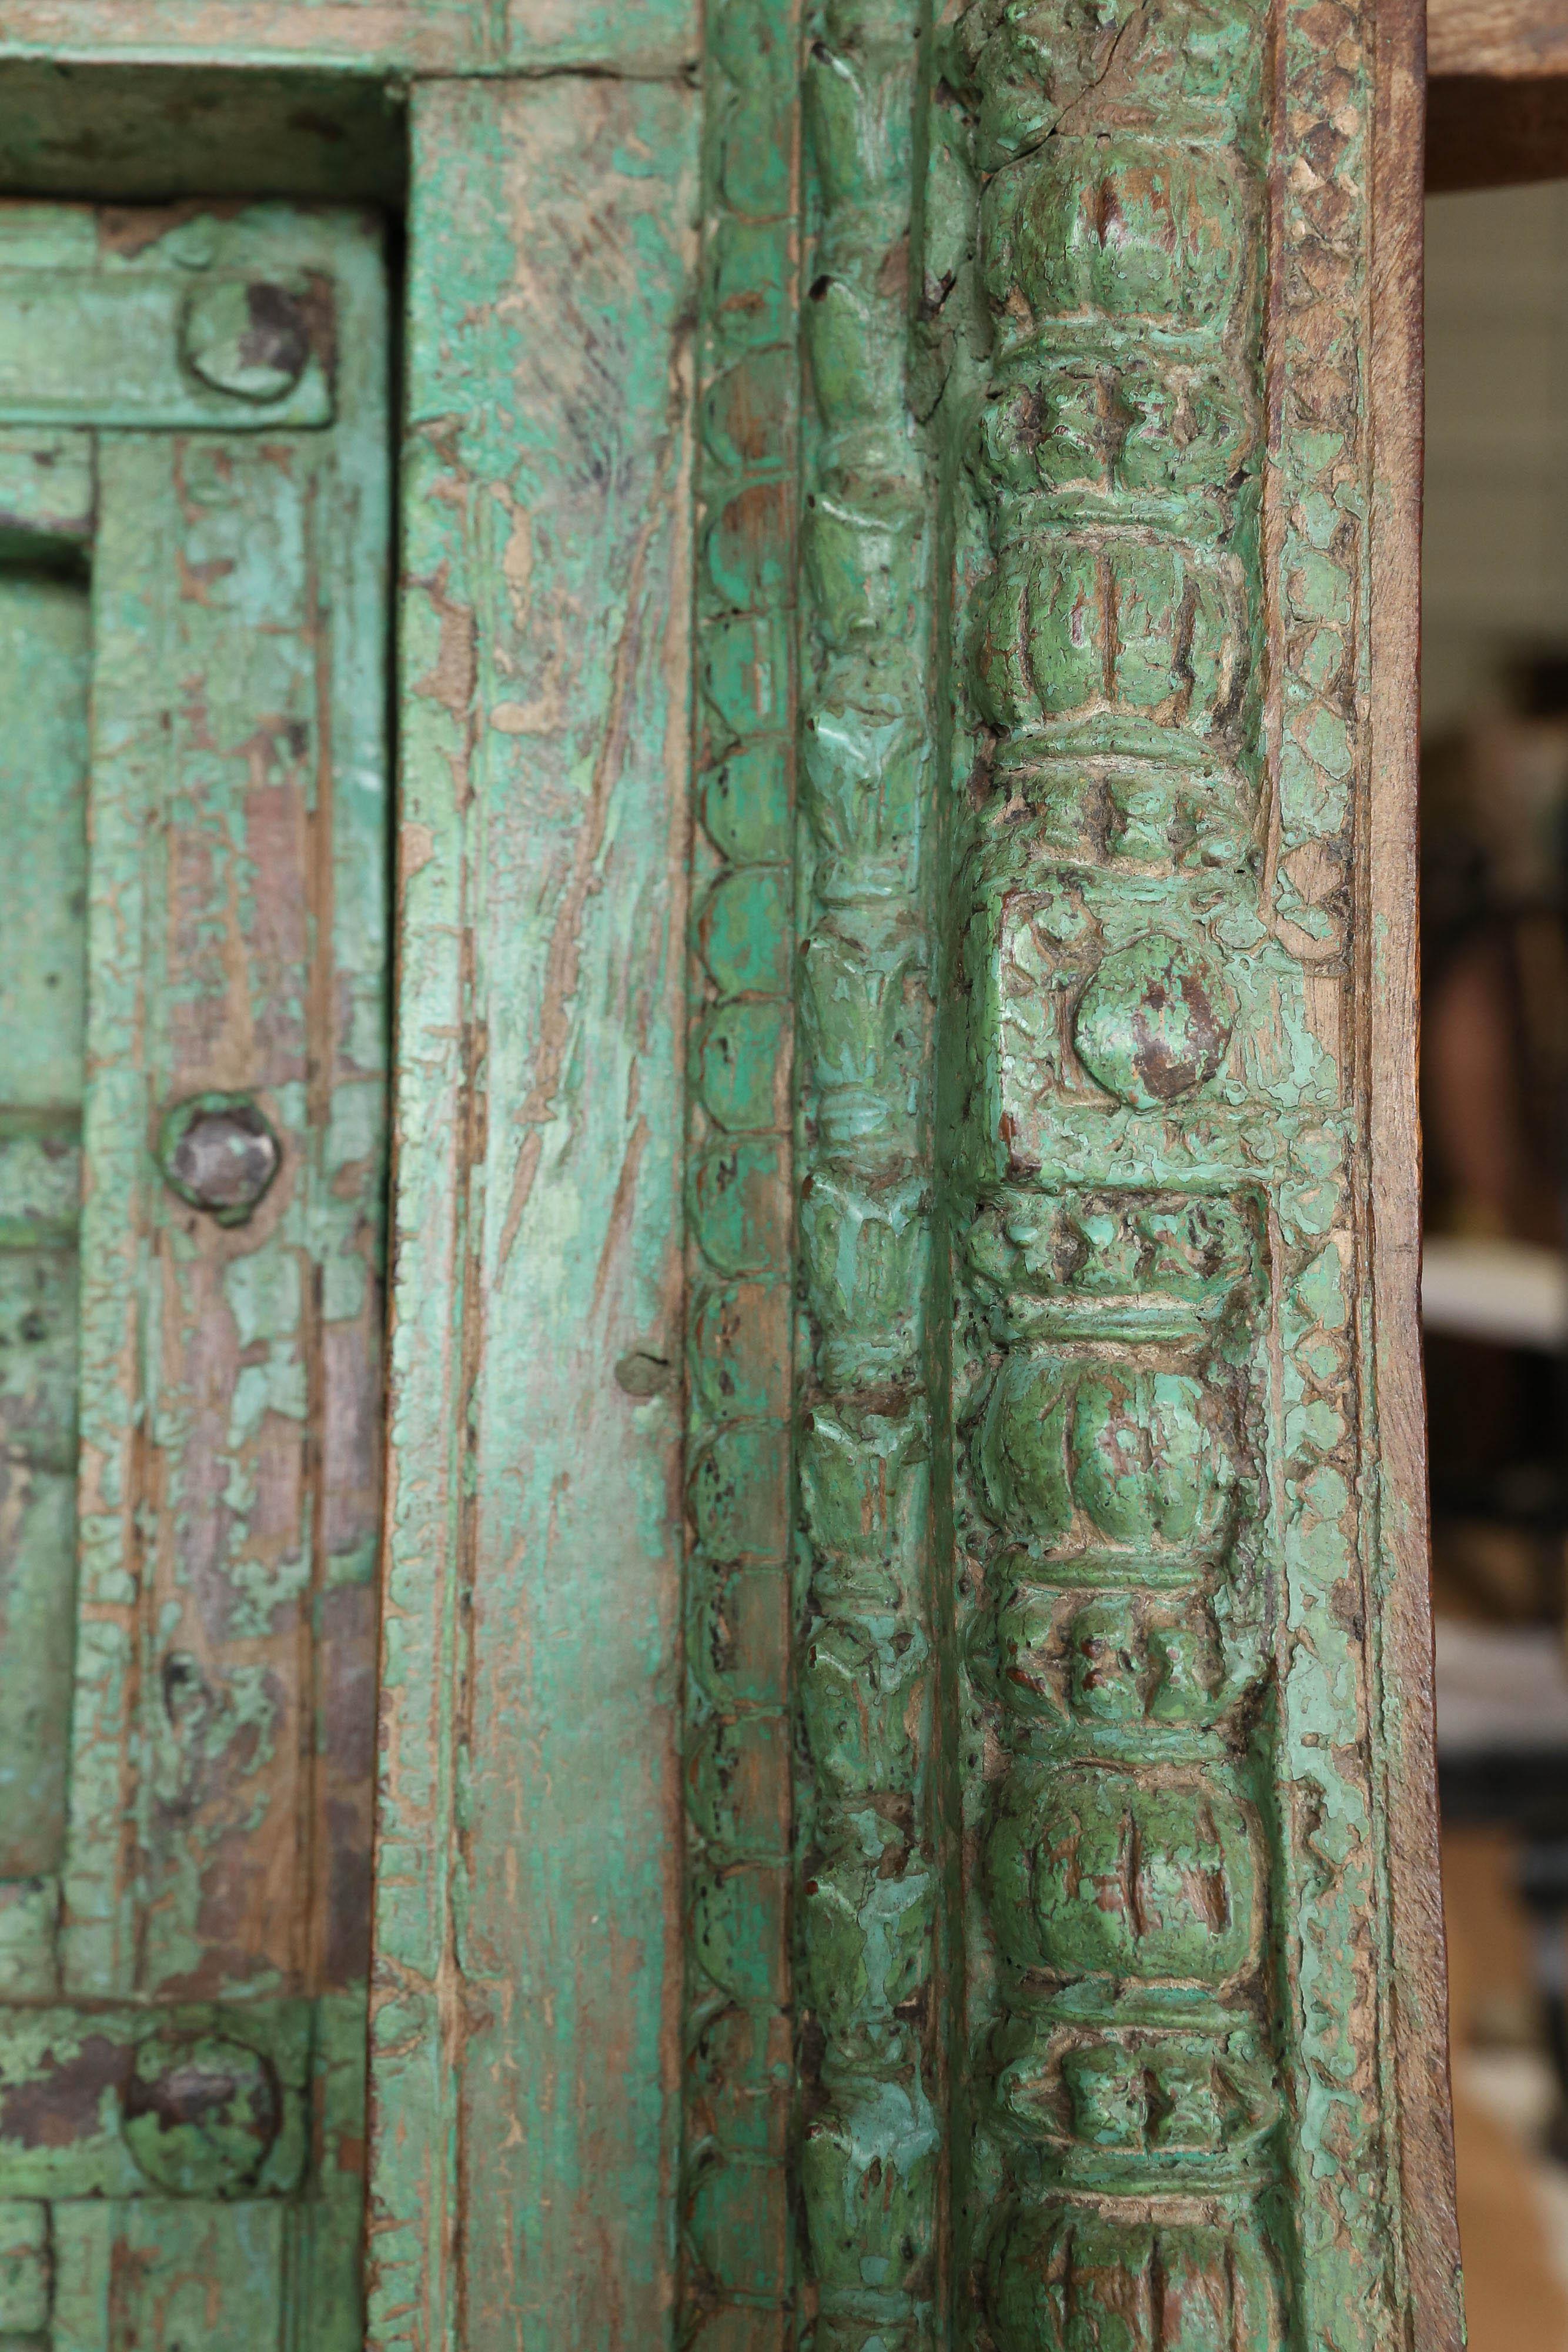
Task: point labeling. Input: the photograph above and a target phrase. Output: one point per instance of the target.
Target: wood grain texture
(530, 1841)
(150, 133)
(44, 645)
(643, 38)
(1387, 883)
(1502, 38)
(230, 1494)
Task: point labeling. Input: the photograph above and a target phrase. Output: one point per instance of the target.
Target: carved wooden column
(1113, 1174)
(1165, 1438)
(735, 2268)
(1084, 2001)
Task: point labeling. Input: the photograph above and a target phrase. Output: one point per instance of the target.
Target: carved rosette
(736, 2261)
(867, 1888)
(1135, 1070)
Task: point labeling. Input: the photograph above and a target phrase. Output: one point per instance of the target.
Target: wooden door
(193, 481)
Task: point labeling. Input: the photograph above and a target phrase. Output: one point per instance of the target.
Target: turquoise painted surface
(1153, 1159)
(525, 2054)
(873, 1859)
(739, 2260)
(44, 670)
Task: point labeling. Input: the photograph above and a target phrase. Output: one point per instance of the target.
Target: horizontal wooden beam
(637, 39)
(1504, 39)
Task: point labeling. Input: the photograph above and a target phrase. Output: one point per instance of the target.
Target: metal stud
(247, 338)
(200, 2113)
(219, 1153)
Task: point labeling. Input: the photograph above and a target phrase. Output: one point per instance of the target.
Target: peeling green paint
(1034, 1922)
(525, 2065)
(200, 882)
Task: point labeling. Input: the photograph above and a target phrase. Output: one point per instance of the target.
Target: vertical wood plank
(223, 1712)
(1390, 882)
(527, 1869)
(44, 649)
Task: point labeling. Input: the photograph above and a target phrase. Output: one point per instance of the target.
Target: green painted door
(193, 515)
(902, 1813)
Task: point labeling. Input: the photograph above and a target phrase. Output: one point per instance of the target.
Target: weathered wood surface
(44, 673)
(1186, 1701)
(874, 1663)
(1387, 912)
(157, 132)
(115, 349)
(380, 37)
(524, 2051)
(1498, 38)
(216, 1748)
(229, 1394)
(1109, 1996)
(1185, 2074)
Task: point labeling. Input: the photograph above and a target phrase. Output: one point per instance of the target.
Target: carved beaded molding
(735, 2268)
(868, 1886)
(1065, 2026)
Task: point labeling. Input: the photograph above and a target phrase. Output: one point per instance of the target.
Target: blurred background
(1494, 1090)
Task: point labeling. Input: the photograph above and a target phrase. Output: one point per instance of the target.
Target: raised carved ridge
(737, 2260)
(868, 1887)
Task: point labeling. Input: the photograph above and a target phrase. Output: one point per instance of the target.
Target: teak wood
(905, 1812)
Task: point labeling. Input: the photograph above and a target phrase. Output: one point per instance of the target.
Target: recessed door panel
(192, 1081)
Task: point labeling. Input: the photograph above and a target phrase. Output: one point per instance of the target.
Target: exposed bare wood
(648, 39)
(1389, 1030)
(196, 1912)
(1500, 37)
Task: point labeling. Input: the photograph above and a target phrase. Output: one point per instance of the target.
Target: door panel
(44, 646)
(193, 620)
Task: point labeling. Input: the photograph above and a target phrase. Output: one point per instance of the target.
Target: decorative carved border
(1091, 1892)
(1152, 1174)
(737, 2260)
(1118, 1558)
(867, 1652)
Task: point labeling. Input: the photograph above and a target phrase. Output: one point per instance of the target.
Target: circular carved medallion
(1154, 1021)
